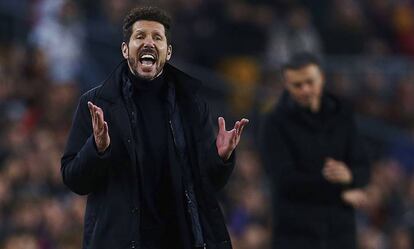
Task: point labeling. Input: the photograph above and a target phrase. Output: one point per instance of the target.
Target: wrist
(225, 157)
(102, 151)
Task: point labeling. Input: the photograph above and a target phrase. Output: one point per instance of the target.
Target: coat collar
(332, 109)
(111, 89)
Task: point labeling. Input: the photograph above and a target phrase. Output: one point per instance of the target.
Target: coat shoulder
(91, 94)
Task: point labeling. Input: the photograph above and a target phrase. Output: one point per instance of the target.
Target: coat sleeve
(357, 158)
(218, 171)
(82, 168)
(284, 174)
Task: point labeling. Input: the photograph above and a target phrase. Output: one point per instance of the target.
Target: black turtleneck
(150, 100)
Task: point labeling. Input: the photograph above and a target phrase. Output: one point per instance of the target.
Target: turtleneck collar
(143, 85)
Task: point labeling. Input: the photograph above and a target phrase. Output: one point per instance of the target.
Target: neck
(315, 106)
(146, 85)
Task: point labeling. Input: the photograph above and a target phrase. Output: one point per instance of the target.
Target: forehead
(307, 71)
(148, 26)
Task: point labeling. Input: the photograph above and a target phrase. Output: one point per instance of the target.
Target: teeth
(148, 56)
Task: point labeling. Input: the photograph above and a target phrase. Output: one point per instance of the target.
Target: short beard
(133, 64)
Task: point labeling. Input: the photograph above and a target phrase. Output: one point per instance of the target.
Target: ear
(169, 52)
(124, 49)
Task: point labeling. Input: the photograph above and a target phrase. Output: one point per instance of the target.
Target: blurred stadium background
(51, 51)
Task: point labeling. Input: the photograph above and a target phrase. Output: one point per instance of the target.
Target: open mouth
(147, 59)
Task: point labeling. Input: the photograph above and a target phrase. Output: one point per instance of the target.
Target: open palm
(227, 141)
(100, 127)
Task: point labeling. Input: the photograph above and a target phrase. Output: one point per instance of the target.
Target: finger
(333, 165)
(244, 122)
(91, 110)
(240, 130)
(332, 168)
(336, 174)
(328, 169)
(89, 105)
(95, 115)
(105, 130)
(94, 119)
(236, 127)
(331, 177)
(328, 174)
(221, 124)
(98, 126)
(100, 113)
(100, 119)
(233, 138)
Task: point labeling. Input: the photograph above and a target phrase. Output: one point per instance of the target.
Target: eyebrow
(143, 30)
(140, 31)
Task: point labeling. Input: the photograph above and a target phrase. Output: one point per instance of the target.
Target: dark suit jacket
(110, 180)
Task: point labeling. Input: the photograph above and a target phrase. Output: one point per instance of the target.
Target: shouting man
(143, 149)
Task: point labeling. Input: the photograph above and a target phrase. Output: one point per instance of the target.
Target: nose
(149, 42)
(306, 89)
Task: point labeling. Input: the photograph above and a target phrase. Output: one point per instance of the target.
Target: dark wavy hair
(147, 14)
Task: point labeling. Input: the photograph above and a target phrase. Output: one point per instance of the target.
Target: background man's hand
(100, 128)
(336, 172)
(227, 141)
(357, 198)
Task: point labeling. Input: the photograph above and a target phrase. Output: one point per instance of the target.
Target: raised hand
(227, 141)
(336, 172)
(100, 128)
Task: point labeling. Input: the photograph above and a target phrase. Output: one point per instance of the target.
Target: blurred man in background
(143, 149)
(316, 162)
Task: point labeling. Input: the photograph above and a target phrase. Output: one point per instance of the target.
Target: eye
(158, 38)
(140, 36)
(297, 85)
(310, 82)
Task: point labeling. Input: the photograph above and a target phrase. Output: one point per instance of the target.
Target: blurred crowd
(54, 50)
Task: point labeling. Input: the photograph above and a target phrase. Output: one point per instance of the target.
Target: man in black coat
(143, 149)
(315, 160)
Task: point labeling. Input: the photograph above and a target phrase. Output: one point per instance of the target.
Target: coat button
(133, 244)
(129, 140)
(134, 210)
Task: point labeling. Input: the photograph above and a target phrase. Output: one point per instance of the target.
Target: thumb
(221, 124)
(105, 127)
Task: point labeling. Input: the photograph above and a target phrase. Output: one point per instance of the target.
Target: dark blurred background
(51, 51)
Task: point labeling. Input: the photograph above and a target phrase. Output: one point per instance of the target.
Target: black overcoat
(308, 210)
(110, 181)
